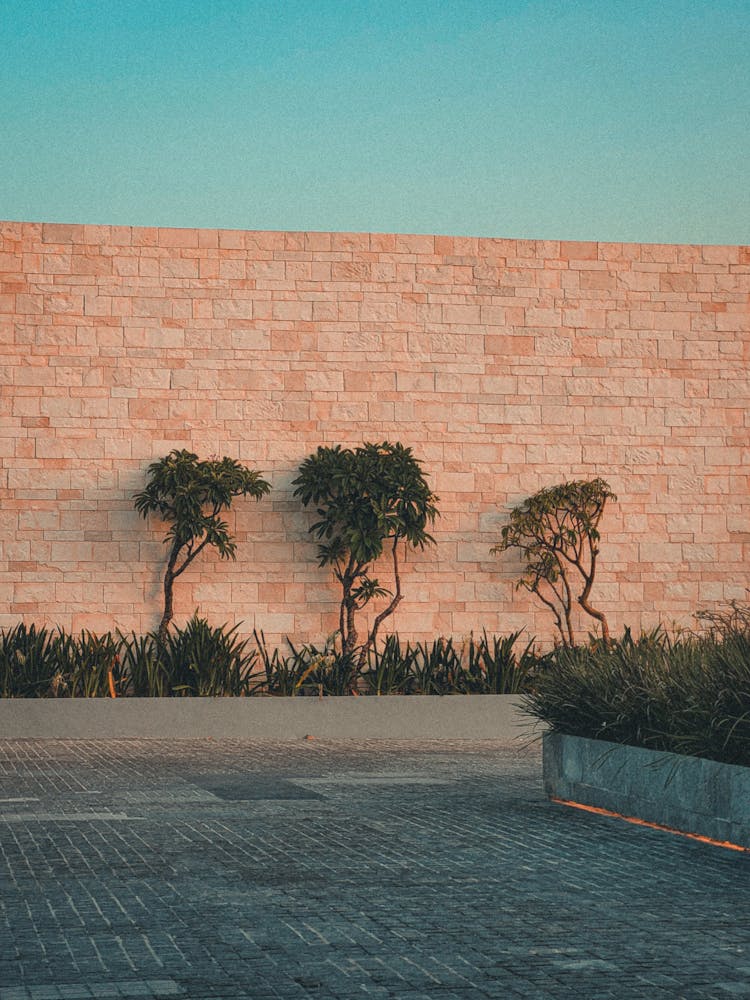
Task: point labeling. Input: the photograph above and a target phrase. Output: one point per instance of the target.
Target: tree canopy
(190, 494)
(365, 499)
(557, 531)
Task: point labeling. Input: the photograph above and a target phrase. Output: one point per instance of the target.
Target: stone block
(689, 794)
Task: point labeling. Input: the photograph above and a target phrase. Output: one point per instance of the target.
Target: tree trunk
(385, 613)
(583, 600)
(567, 605)
(169, 577)
(347, 623)
(599, 615)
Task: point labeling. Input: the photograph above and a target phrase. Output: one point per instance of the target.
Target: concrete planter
(689, 794)
(475, 717)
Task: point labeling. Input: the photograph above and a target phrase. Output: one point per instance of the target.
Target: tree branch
(395, 601)
(191, 555)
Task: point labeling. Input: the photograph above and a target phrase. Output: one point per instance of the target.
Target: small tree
(190, 494)
(557, 531)
(367, 498)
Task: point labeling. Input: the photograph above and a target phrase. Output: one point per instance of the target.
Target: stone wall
(507, 365)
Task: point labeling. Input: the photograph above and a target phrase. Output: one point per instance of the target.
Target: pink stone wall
(507, 365)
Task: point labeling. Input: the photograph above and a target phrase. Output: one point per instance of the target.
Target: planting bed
(690, 794)
(476, 717)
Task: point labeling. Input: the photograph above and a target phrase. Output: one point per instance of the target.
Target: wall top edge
(318, 240)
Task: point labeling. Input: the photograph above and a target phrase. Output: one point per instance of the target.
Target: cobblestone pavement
(429, 871)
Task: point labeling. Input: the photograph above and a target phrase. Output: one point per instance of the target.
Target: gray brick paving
(341, 870)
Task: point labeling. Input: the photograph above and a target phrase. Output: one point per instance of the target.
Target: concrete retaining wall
(478, 717)
(689, 794)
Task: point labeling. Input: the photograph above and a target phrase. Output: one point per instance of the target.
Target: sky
(541, 119)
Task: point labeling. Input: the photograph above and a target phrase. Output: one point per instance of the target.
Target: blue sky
(546, 119)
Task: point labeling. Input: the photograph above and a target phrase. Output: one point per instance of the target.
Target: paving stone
(389, 870)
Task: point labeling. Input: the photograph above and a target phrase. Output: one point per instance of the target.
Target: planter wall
(689, 794)
(476, 717)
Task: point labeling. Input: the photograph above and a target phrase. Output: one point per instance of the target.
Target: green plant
(494, 667)
(190, 494)
(88, 664)
(327, 671)
(38, 663)
(280, 676)
(366, 499)
(203, 661)
(28, 666)
(389, 670)
(307, 670)
(143, 671)
(437, 668)
(687, 695)
(477, 666)
(557, 532)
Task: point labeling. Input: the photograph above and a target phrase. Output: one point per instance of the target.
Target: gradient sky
(547, 119)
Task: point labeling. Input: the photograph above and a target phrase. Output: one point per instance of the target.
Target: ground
(343, 870)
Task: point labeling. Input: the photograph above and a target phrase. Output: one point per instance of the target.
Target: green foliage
(688, 695)
(190, 495)
(557, 532)
(281, 676)
(494, 666)
(143, 671)
(365, 499)
(481, 666)
(390, 669)
(307, 671)
(27, 661)
(204, 662)
(39, 663)
(436, 667)
(327, 671)
(85, 664)
(196, 660)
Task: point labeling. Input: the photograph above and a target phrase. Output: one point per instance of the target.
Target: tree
(366, 499)
(190, 494)
(557, 531)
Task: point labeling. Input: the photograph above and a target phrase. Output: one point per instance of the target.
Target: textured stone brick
(507, 365)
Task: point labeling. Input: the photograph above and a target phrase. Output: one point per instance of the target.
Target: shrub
(688, 695)
(203, 661)
(28, 663)
(38, 663)
(88, 665)
(481, 666)
(200, 660)
(390, 669)
(307, 670)
(494, 667)
(196, 660)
